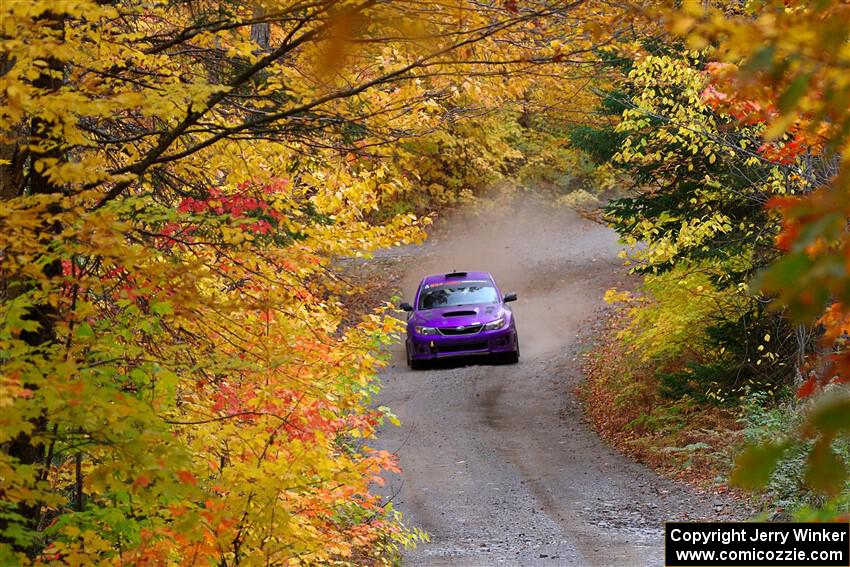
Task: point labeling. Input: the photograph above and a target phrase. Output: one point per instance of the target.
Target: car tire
(513, 357)
(411, 363)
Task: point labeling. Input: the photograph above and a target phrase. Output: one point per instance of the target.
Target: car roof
(456, 277)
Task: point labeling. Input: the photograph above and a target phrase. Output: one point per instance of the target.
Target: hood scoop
(459, 313)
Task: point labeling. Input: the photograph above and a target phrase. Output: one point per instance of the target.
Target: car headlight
(425, 330)
(493, 325)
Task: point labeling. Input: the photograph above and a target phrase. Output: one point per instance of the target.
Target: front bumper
(431, 347)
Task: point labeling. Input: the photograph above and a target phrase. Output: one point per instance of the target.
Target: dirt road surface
(499, 467)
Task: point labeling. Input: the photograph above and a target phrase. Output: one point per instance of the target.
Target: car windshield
(457, 293)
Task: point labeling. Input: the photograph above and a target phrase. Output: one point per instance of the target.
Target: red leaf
(186, 477)
(807, 388)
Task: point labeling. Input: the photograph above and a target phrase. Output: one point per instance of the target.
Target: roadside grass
(697, 442)
(786, 495)
(680, 438)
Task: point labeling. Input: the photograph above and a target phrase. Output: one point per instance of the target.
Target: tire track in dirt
(499, 466)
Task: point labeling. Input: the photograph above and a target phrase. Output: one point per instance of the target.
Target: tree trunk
(11, 173)
(261, 32)
(23, 449)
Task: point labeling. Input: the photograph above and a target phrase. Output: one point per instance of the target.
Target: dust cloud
(543, 252)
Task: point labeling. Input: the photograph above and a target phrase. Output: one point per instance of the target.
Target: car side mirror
(406, 307)
(510, 297)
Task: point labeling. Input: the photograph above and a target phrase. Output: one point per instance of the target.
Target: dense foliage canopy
(177, 179)
(734, 126)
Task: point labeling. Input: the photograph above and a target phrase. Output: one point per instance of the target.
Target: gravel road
(499, 466)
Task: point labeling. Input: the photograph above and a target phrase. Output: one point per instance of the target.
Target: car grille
(463, 347)
(464, 330)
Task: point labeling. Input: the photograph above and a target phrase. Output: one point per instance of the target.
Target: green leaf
(162, 308)
(826, 471)
(84, 331)
(761, 60)
(789, 268)
(754, 466)
(166, 385)
(794, 92)
(138, 375)
(832, 417)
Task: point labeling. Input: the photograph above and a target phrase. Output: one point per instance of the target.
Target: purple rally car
(460, 314)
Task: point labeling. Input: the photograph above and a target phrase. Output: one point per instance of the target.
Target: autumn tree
(779, 69)
(177, 386)
(697, 225)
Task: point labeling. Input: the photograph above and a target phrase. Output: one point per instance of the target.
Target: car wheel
(412, 363)
(513, 357)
